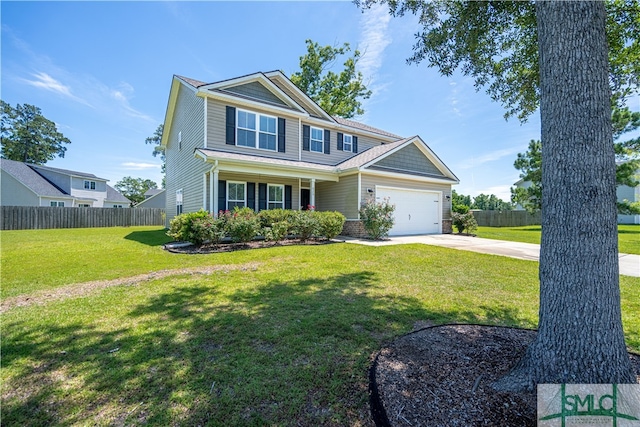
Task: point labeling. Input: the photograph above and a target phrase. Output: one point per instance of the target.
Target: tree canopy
(134, 188)
(339, 94)
(27, 136)
(158, 150)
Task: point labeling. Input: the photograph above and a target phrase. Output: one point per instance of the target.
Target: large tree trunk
(580, 337)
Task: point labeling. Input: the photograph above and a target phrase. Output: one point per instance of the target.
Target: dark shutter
(281, 134)
(262, 196)
(287, 196)
(222, 196)
(354, 144)
(327, 142)
(231, 126)
(340, 140)
(306, 135)
(251, 195)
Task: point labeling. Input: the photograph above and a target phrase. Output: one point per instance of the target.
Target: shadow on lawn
(285, 352)
(151, 237)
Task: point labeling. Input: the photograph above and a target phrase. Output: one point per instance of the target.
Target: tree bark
(580, 337)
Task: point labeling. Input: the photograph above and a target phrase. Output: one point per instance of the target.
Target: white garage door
(417, 212)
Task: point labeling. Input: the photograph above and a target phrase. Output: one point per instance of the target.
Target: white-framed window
(89, 185)
(180, 140)
(317, 140)
(55, 203)
(256, 130)
(236, 195)
(179, 201)
(275, 196)
(84, 205)
(347, 143)
(118, 206)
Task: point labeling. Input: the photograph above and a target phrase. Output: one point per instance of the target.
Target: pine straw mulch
(442, 376)
(230, 246)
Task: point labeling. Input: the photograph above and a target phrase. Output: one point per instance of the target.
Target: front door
(305, 198)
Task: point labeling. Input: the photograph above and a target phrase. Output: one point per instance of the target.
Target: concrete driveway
(629, 264)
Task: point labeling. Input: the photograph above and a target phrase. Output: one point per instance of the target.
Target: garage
(417, 211)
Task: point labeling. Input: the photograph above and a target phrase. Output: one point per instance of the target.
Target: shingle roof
(362, 126)
(30, 178)
(67, 172)
(114, 196)
(266, 160)
(192, 82)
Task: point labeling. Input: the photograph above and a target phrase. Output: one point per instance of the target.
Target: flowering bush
(181, 228)
(305, 224)
(377, 218)
(464, 222)
(242, 224)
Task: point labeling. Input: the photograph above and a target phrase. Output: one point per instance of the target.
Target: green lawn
(628, 236)
(277, 336)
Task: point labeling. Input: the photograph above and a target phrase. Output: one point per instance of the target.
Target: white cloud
(139, 166)
(45, 81)
(122, 95)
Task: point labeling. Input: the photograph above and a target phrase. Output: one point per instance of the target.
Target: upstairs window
(347, 143)
(316, 140)
(89, 185)
(246, 129)
(257, 131)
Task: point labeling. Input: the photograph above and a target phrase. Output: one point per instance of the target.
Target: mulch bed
(442, 376)
(230, 247)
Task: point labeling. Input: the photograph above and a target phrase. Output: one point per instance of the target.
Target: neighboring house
(259, 141)
(25, 184)
(154, 198)
(623, 192)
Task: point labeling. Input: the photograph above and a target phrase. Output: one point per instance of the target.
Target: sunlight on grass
(628, 236)
(285, 342)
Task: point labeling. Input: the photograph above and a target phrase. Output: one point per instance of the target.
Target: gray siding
(339, 196)
(335, 156)
(14, 193)
(257, 91)
(370, 181)
(216, 131)
(409, 159)
(184, 171)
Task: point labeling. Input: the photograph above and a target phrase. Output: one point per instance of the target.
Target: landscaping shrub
(305, 224)
(277, 231)
(271, 216)
(207, 229)
(377, 218)
(181, 227)
(242, 224)
(330, 223)
(464, 222)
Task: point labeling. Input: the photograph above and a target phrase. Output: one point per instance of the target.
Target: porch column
(312, 193)
(211, 179)
(204, 191)
(214, 194)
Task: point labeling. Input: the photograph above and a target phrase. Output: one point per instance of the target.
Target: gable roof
(114, 195)
(31, 179)
(362, 126)
(67, 172)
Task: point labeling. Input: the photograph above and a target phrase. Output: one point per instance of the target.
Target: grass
(628, 236)
(278, 336)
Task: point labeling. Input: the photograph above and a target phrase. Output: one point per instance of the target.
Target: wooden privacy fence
(506, 218)
(39, 217)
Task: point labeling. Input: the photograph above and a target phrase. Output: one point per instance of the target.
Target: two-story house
(259, 141)
(25, 184)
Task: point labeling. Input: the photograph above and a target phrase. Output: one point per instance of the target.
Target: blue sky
(102, 71)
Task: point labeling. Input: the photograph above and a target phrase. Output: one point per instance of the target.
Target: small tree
(134, 188)
(464, 221)
(377, 218)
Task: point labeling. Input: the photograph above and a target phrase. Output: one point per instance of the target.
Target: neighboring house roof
(68, 172)
(31, 179)
(114, 195)
(153, 191)
(158, 199)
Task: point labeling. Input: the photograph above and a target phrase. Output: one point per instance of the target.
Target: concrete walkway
(629, 264)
